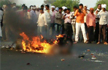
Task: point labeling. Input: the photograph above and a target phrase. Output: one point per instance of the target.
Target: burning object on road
(63, 44)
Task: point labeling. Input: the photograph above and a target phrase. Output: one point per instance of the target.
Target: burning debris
(40, 45)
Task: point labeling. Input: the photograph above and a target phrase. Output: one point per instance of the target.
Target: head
(92, 10)
(41, 10)
(65, 10)
(81, 6)
(53, 8)
(42, 6)
(60, 10)
(99, 6)
(47, 7)
(23, 6)
(34, 7)
(75, 8)
(68, 11)
(85, 7)
(104, 9)
(14, 4)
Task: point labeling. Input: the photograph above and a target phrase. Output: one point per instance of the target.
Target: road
(13, 60)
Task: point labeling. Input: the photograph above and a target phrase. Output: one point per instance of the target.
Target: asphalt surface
(14, 60)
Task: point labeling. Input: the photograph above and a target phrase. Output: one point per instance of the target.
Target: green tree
(67, 3)
(101, 2)
(4, 2)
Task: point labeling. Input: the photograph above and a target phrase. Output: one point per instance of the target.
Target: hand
(69, 17)
(97, 12)
(46, 26)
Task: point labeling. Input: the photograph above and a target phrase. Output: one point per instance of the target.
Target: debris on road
(28, 63)
(81, 56)
(62, 59)
(93, 57)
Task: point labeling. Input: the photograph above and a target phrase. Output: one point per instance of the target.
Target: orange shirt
(79, 16)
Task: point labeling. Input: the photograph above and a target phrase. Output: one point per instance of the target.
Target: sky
(89, 3)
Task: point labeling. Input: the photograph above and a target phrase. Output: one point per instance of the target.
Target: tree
(101, 2)
(4, 2)
(67, 3)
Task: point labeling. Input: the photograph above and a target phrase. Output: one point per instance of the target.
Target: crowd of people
(89, 24)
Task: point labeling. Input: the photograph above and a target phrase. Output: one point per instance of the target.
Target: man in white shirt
(41, 23)
(48, 18)
(103, 22)
(67, 24)
(53, 12)
(97, 22)
(73, 20)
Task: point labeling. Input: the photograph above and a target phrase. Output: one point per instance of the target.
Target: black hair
(60, 8)
(47, 6)
(68, 9)
(23, 5)
(42, 5)
(99, 4)
(31, 6)
(75, 7)
(81, 5)
(14, 3)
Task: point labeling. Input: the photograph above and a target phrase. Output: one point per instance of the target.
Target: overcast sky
(89, 3)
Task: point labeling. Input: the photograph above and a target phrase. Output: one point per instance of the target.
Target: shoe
(105, 43)
(86, 42)
(75, 42)
(98, 42)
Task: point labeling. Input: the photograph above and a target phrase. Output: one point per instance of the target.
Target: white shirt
(103, 18)
(42, 20)
(48, 17)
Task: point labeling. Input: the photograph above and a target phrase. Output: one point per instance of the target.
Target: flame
(59, 36)
(34, 45)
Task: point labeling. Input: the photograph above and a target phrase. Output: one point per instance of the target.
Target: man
(67, 24)
(42, 22)
(80, 13)
(103, 22)
(1, 17)
(73, 20)
(64, 13)
(58, 20)
(86, 10)
(42, 7)
(53, 12)
(28, 11)
(90, 22)
(48, 18)
(33, 15)
(97, 23)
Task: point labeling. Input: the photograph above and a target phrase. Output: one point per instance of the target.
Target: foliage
(101, 2)
(4, 2)
(67, 3)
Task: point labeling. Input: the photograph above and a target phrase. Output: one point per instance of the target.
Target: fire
(59, 36)
(34, 45)
(37, 44)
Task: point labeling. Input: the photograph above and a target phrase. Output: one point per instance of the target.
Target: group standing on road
(51, 21)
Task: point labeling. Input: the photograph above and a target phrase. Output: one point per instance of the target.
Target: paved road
(11, 60)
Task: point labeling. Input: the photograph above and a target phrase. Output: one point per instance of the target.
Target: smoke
(15, 23)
